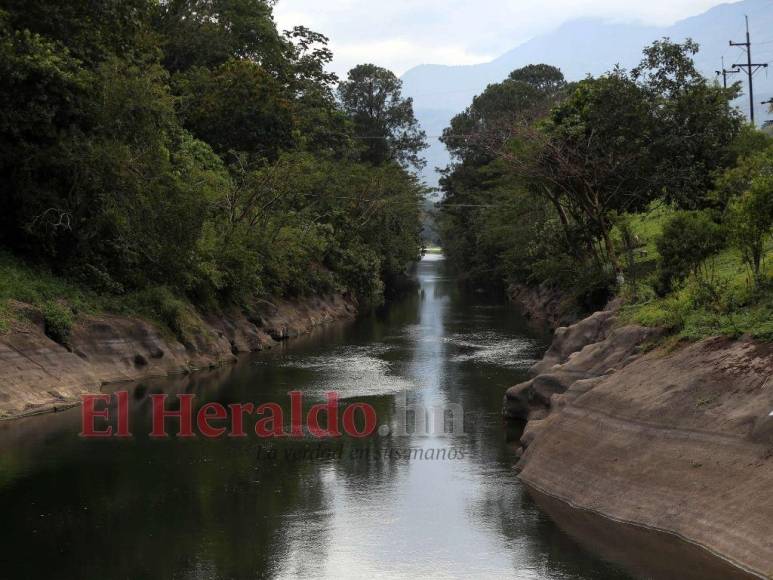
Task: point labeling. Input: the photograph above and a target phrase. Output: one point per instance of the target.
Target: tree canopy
(565, 160)
(191, 144)
(383, 119)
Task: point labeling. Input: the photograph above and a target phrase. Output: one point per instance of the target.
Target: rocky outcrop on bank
(678, 440)
(39, 375)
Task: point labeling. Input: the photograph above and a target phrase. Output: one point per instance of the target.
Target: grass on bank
(722, 302)
(61, 301)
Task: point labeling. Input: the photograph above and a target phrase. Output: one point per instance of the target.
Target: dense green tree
(383, 119)
(547, 79)
(481, 191)
(595, 153)
(187, 148)
(41, 107)
(322, 125)
(590, 151)
(92, 30)
(687, 240)
(695, 124)
(476, 134)
(237, 106)
(209, 33)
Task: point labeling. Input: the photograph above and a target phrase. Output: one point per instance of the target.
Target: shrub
(593, 287)
(162, 305)
(688, 239)
(751, 222)
(58, 320)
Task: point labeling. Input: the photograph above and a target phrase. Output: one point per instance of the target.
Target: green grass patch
(647, 227)
(161, 305)
(61, 301)
(36, 286)
(727, 304)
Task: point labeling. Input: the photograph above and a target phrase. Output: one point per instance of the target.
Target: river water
(234, 508)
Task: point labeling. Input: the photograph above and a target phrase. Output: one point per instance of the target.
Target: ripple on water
(493, 348)
(352, 371)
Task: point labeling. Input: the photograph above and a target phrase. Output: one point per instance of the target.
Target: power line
(750, 67)
(724, 72)
(739, 30)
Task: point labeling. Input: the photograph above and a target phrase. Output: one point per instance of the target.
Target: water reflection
(249, 508)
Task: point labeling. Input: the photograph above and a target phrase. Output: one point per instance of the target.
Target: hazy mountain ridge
(591, 46)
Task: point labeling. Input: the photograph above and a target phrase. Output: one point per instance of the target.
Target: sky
(400, 34)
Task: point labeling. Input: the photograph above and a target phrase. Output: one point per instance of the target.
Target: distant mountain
(593, 47)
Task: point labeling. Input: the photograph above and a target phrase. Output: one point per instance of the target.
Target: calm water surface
(226, 508)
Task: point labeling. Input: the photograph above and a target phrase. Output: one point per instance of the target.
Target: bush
(751, 222)
(58, 320)
(161, 304)
(593, 287)
(688, 239)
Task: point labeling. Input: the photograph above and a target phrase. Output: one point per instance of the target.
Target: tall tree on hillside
(480, 190)
(695, 121)
(593, 154)
(545, 78)
(383, 119)
(476, 134)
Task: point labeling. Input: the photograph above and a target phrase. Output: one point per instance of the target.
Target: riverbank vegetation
(643, 183)
(189, 150)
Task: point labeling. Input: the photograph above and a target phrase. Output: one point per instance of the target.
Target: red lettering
(211, 411)
(296, 414)
(237, 418)
(331, 408)
(184, 415)
(350, 425)
(272, 425)
(123, 414)
(89, 413)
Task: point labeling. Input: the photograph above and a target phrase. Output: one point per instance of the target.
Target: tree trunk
(562, 217)
(610, 247)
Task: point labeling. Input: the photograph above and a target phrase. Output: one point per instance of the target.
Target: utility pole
(768, 102)
(724, 72)
(750, 67)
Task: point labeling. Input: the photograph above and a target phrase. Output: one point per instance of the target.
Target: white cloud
(400, 54)
(400, 34)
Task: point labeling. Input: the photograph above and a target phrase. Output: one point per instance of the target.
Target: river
(247, 507)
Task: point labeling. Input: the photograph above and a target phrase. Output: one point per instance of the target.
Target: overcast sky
(400, 34)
